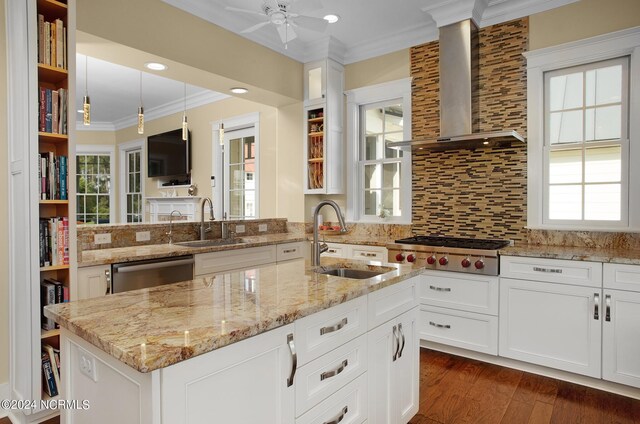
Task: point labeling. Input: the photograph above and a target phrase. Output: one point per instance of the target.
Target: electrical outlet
(143, 236)
(88, 365)
(262, 228)
(104, 238)
(239, 229)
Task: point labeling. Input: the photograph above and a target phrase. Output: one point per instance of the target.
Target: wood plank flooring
(459, 390)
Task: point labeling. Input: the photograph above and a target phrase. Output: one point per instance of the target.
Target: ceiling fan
(280, 14)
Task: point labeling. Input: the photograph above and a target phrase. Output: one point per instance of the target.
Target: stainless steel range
(475, 256)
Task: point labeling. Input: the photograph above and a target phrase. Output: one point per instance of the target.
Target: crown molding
(505, 10)
(95, 126)
(448, 12)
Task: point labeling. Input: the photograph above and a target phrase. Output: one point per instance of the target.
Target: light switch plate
(104, 238)
(143, 235)
(239, 229)
(262, 228)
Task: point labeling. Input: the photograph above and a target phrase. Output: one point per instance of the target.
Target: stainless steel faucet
(170, 233)
(204, 231)
(316, 247)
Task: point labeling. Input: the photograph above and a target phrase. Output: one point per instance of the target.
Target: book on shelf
(54, 241)
(53, 174)
(52, 42)
(55, 367)
(48, 379)
(53, 111)
(52, 292)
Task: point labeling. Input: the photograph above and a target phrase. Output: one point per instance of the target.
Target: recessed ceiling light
(239, 90)
(332, 19)
(156, 66)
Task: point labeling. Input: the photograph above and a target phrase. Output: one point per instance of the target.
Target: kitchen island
(227, 348)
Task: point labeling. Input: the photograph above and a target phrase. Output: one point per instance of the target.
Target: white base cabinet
(621, 337)
(94, 281)
(356, 251)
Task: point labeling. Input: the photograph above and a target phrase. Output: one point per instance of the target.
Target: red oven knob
(443, 261)
(431, 259)
(466, 263)
(399, 257)
(411, 258)
(479, 264)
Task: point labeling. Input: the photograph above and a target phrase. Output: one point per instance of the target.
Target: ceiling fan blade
(308, 22)
(305, 6)
(286, 33)
(272, 4)
(255, 27)
(236, 9)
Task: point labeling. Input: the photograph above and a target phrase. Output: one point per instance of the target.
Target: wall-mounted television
(168, 154)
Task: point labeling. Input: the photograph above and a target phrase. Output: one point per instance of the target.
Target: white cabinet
(356, 251)
(620, 325)
(227, 260)
(288, 251)
(394, 370)
(94, 281)
(246, 382)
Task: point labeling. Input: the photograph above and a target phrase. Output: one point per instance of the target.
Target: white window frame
(125, 148)
(230, 124)
(103, 149)
(609, 46)
(393, 90)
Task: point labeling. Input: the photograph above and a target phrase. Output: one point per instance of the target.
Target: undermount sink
(209, 243)
(358, 274)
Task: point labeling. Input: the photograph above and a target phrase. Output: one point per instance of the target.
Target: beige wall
(583, 19)
(4, 194)
(389, 67)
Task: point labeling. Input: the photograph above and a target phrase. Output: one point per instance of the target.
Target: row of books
(50, 369)
(52, 42)
(54, 241)
(53, 112)
(53, 174)
(51, 292)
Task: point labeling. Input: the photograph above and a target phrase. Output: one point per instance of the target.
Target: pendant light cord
(86, 78)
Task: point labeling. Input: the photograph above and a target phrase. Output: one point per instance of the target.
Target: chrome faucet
(316, 247)
(224, 227)
(204, 231)
(170, 233)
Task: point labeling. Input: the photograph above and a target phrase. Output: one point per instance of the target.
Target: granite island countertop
(575, 253)
(153, 328)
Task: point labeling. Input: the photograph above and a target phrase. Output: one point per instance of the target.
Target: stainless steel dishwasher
(150, 273)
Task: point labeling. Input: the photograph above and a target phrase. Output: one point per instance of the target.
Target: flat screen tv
(168, 155)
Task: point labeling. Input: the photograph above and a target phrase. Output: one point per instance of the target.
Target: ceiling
(114, 91)
(367, 28)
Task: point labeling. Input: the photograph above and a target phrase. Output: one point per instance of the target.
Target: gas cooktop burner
(455, 242)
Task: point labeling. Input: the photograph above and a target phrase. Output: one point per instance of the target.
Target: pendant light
(221, 134)
(185, 126)
(140, 110)
(86, 104)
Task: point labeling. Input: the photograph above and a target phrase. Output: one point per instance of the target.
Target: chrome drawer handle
(396, 338)
(332, 328)
(439, 325)
(596, 306)
(332, 250)
(288, 250)
(402, 334)
(294, 359)
(367, 255)
(339, 418)
(552, 270)
(440, 289)
(607, 308)
(333, 373)
(107, 274)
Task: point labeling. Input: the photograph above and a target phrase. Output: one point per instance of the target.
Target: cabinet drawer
(369, 253)
(350, 403)
(322, 377)
(622, 277)
(580, 273)
(324, 331)
(226, 260)
(336, 250)
(392, 301)
(466, 330)
(472, 293)
(287, 251)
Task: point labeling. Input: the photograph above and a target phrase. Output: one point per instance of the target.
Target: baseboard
(5, 393)
(595, 383)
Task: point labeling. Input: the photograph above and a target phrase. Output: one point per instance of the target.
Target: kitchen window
(379, 182)
(581, 142)
(94, 192)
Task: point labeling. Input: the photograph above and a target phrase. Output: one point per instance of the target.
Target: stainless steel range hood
(459, 117)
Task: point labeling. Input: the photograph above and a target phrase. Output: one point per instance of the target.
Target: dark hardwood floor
(459, 390)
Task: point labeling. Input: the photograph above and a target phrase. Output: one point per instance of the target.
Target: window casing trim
(604, 47)
(102, 149)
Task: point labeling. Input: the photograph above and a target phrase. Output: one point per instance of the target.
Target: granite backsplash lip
(153, 328)
(575, 253)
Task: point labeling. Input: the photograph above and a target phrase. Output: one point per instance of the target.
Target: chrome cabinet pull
(339, 418)
(107, 275)
(294, 359)
(402, 334)
(607, 308)
(596, 306)
(333, 373)
(367, 255)
(440, 289)
(332, 328)
(439, 325)
(288, 250)
(396, 339)
(551, 270)
(332, 251)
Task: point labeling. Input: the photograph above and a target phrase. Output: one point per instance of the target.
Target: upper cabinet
(324, 150)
